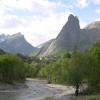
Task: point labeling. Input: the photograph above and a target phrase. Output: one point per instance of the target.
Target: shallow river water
(35, 90)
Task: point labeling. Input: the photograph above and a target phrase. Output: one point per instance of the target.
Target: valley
(71, 60)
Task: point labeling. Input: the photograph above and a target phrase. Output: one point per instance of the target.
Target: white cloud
(10, 21)
(48, 27)
(37, 28)
(96, 1)
(43, 6)
(98, 11)
(83, 24)
(85, 3)
(82, 3)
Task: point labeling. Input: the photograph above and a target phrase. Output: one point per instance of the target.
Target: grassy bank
(91, 97)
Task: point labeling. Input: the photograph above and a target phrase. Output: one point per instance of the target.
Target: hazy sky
(41, 20)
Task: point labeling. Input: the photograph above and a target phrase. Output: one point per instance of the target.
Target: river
(35, 90)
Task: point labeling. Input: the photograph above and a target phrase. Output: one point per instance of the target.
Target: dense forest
(71, 68)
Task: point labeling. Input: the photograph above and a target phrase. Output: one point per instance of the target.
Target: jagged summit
(70, 33)
(17, 35)
(72, 23)
(68, 37)
(71, 26)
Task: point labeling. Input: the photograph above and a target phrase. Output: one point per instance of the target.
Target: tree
(12, 68)
(95, 51)
(76, 70)
(67, 55)
(84, 67)
(94, 79)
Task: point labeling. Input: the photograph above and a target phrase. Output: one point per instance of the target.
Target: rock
(71, 37)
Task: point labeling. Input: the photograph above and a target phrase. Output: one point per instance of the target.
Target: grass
(92, 97)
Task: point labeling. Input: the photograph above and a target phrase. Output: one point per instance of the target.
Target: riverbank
(64, 92)
(35, 90)
(4, 86)
(69, 97)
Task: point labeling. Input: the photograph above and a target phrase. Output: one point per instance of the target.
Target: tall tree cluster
(12, 69)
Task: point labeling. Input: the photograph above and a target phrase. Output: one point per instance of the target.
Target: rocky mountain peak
(17, 35)
(68, 37)
(71, 16)
(72, 23)
(71, 37)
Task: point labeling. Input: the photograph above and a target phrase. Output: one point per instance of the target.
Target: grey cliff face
(71, 37)
(72, 24)
(70, 33)
(68, 37)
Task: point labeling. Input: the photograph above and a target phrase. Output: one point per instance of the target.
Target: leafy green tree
(94, 79)
(84, 67)
(75, 70)
(12, 68)
(95, 51)
(33, 69)
(67, 55)
(56, 71)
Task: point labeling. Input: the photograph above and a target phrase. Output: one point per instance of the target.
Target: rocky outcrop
(72, 37)
(68, 37)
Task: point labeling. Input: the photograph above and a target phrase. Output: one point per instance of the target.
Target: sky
(42, 20)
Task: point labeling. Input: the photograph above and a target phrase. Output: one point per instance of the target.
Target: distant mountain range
(72, 37)
(16, 44)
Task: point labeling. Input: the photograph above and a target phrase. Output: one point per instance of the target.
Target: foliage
(71, 68)
(55, 71)
(75, 69)
(12, 68)
(33, 69)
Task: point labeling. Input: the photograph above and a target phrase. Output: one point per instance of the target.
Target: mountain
(90, 35)
(72, 37)
(93, 25)
(15, 44)
(43, 47)
(45, 44)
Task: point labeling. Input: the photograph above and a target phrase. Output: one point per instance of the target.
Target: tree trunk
(77, 90)
(49, 79)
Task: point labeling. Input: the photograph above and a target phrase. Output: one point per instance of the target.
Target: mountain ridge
(72, 36)
(15, 43)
